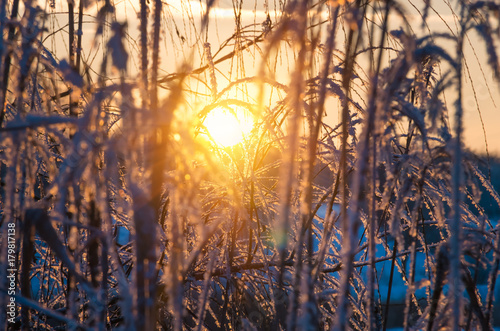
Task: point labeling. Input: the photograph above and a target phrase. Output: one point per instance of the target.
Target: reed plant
(130, 215)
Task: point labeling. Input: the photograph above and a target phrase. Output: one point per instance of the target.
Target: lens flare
(228, 127)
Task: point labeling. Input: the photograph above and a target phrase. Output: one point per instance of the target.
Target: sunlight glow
(228, 128)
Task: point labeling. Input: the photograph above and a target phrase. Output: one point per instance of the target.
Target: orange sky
(221, 26)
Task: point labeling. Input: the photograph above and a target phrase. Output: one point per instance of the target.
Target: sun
(228, 127)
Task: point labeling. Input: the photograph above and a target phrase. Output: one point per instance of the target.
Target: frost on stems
(350, 222)
(211, 70)
(143, 28)
(127, 217)
(6, 56)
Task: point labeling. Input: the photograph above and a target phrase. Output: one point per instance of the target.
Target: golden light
(228, 127)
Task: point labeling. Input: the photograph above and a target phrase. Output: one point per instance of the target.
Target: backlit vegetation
(344, 177)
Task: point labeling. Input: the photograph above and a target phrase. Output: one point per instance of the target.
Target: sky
(182, 19)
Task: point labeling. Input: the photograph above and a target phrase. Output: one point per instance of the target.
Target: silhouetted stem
(7, 63)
